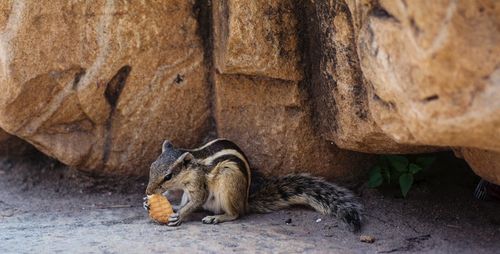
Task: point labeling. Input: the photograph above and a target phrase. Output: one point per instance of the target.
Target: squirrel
(217, 178)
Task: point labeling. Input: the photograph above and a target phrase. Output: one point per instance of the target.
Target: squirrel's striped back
(222, 150)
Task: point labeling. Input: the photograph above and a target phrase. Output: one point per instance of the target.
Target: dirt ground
(47, 208)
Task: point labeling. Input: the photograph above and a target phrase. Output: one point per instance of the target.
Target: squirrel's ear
(186, 157)
(166, 145)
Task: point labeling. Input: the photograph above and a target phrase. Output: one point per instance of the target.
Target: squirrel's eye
(167, 177)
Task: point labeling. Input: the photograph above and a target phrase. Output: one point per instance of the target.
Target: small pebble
(288, 221)
(367, 239)
(318, 220)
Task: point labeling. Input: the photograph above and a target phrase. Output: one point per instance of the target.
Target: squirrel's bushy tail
(275, 193)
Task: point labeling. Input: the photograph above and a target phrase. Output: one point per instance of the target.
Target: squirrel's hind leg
(228, 199)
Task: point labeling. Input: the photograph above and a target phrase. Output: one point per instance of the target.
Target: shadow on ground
(47, 208)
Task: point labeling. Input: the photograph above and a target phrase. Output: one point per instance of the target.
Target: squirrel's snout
(150, 190)
(153, 189)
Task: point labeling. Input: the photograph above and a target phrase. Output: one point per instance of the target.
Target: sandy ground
(47, 208)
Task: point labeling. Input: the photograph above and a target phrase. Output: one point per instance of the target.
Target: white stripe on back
(209, 160)
(206, 145)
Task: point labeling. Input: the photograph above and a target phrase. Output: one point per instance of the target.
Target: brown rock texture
(433, 74)
(260, 100)
(338, 85)
(406, 77)
(484, 163)
(256, 38)
(99, 84)
(270, 120)
(433, 70)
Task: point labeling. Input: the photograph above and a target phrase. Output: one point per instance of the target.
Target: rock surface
(256, 38)
(337, 85)
(99, 84)
(270, 120)
(433, 74)
(267, 113)
(396, 77)
(433, 71)
(485, 163)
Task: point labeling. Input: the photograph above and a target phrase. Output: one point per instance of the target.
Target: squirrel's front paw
(145, 204)
(174, 220)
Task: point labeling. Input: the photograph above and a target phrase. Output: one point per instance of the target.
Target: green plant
(396, 168)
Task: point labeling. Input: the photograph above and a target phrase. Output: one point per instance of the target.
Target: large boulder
(260, 100)
(433, 74)
(99, 84)
(256, 37)
(485, 163)
(405, 77)
(270, 120)
(337, 85)
(433, 70)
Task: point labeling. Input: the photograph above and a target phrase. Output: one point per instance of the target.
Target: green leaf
(376, 178)
(375, 170)
(414, 168)
(387, 174)
(405, 182)
(425, 161)
(399, 163)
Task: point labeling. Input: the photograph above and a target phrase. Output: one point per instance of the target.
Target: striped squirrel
(217, 178)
